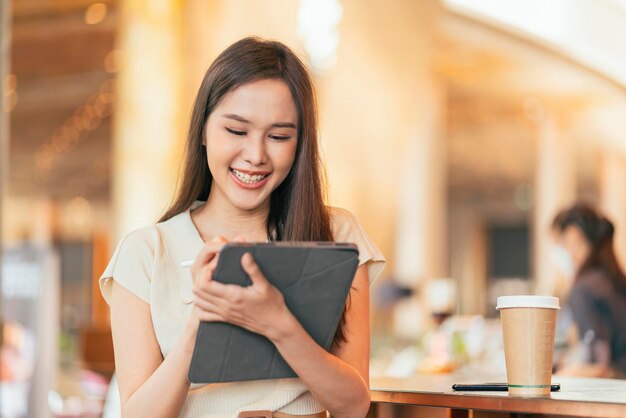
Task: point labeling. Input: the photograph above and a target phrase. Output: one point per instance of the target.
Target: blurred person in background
(585, 256)
(252, 173)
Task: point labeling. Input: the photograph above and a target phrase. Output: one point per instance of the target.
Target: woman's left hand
(259, 307)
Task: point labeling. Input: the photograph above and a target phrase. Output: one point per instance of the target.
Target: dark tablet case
(314, 277)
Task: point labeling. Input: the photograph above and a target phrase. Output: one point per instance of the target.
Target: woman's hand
(259, 308)
(202, 272)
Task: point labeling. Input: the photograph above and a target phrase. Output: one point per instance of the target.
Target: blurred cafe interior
(454, 130)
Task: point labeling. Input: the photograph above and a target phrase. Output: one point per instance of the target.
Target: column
(381, 131)
(5, 47)
(469, 259)
(613, 196)
(200, 17)
(211, 26)
(149, 125)
(555, 189)
(422, 214)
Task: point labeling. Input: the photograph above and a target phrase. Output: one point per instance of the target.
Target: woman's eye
(234, 132)
(280, 138)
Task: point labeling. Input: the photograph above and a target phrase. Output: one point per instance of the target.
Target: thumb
(252, 268)
(220, 241)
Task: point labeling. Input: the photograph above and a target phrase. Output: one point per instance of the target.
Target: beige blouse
(147, 262)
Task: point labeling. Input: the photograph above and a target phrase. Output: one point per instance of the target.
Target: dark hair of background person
(297, 211)
(599, 232)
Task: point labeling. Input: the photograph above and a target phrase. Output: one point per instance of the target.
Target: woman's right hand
(202, 272)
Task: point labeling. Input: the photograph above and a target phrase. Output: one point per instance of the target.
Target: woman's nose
(254, 151)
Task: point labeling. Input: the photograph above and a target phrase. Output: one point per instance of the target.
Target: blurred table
(578, 397)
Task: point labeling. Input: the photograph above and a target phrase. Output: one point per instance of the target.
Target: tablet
(314, 278)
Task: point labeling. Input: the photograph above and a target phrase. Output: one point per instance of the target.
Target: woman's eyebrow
(284, 125)
(236, 117)
(244, 120)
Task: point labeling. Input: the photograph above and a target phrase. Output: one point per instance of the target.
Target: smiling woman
(252, 173)
(251, 153)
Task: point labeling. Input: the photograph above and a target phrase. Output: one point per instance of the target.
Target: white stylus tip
(186, 264)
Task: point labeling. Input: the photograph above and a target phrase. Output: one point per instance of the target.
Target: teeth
(245, 178)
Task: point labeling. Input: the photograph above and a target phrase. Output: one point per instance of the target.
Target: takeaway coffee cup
(528, 324)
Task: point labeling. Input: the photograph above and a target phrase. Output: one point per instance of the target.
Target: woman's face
(576, 244)
(251, 139)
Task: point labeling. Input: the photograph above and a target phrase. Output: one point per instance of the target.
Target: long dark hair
(599, 232)
(297, 211)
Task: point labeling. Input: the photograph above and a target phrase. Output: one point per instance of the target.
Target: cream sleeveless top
(147, 263)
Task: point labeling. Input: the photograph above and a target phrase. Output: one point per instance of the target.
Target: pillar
(555, 189)
(613, 196)
(149, 125)
(5, 45)
(422, 214)
(381, 133)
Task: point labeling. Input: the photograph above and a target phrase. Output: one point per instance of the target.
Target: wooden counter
(578, 397)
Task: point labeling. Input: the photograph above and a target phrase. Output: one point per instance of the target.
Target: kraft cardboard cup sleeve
(528, 326)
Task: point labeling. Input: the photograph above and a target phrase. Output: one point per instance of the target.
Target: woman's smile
(249, 179)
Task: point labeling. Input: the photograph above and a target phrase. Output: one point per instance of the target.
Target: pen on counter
(186, 264)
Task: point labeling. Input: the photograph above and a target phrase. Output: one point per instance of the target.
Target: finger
(213, 263)
(208, 306)
(210, 317)
(201, 260)
(239, 238)
(218, 242)
(252, 268)
(221, 307)
(221, 294)
(211, 288)
(204, 276)
(209, 251)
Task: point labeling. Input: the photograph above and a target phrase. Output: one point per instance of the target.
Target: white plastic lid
(528, 301)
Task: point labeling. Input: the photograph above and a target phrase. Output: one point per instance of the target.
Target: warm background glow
(444, 125)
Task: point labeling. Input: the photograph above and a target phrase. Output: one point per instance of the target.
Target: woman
(597, 299)
(252, 173)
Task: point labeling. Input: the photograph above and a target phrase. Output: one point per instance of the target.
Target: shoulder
(343, 223)
(339, 213)
(592, 282)
(131, 264)
(179, 228)
(176, 219)
(173, 224)
(346, 228)
(591, 292)
(136, 247)
(141, 238)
